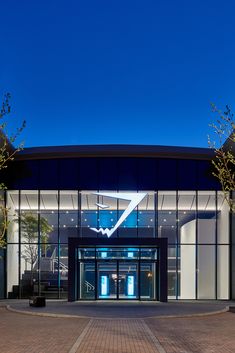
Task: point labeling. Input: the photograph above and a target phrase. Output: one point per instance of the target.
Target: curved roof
(147, 151)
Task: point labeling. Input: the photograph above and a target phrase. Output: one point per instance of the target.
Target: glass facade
(117, 273)
(196, 224)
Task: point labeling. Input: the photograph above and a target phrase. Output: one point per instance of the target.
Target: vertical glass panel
(13, 271)
(172, 276)
(223, 272)
(146, 216)
(29, 228)
(223, 219)
(68, 200)
(87, 280)
(49, 271)
(148, 280)
(49, 200)
(129, 227)
(167, 215)
(107, 280)
(206, 217)
(29, 269)
(68, 215)
(48, 216)
(12, 215)
(29, 200)
(48, 226)
(187, 216)
(187, 271)
(107, 213)
(206, 272)
(63, 269)
(89, 213)
(128, 280)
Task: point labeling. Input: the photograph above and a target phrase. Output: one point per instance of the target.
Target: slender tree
(7, 154)
(224, 146)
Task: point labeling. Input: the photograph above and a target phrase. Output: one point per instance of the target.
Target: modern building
(116, 222)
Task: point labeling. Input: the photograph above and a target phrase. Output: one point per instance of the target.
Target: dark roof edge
(80, 151)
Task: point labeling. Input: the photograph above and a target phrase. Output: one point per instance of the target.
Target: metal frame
(73, 273)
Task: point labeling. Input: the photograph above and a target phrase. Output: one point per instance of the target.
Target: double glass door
(117, 279)
(117, 273)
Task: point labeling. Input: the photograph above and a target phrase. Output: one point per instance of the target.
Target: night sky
(117, 72)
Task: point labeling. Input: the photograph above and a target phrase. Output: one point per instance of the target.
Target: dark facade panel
(108, 173)
(22, 175)
(147, 174)
(88, 174)
(167, 174)
(127, 174)
(111, 174)
(49, 174)
(187, 174)
(68, 174)
(206, 181)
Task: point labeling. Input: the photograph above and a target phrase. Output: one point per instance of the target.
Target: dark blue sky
(134, 72)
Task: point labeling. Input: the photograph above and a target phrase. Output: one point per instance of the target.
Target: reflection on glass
(107, 280)
(69, 213)
(167, 222)
(148, 280)
(87, 280)
(128, 280)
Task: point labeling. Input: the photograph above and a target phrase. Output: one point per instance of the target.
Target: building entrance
(117, 272)
(117, 280)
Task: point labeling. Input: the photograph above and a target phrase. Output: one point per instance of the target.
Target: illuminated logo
(134, 198)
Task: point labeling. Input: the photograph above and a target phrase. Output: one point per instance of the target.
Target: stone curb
(67, 316)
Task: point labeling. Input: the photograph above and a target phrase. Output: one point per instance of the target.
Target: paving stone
(30, 334)
(20, 333)
(207, 334)
(113, 336)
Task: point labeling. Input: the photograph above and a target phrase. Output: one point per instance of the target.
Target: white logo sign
(134, 198)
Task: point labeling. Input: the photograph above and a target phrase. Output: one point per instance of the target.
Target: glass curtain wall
(196, 224)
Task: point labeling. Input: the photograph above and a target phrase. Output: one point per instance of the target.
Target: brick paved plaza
(22, 333)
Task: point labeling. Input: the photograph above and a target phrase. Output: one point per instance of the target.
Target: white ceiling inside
(166, 200)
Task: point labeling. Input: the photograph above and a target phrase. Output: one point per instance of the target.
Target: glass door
(128, 280)
(107, 280)
(148, 274)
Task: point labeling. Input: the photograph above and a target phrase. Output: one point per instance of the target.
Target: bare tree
(224, 146)
(7, 154)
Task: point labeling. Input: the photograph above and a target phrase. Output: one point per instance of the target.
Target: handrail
(89, 286)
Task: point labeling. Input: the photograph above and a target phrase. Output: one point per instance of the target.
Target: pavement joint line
(68, 316)
(154, 339)
(80, 338)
